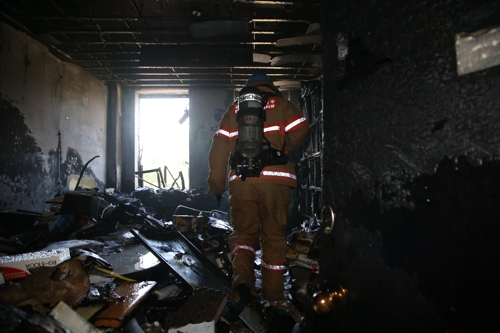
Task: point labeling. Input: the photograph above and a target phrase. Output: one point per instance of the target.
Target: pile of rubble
(152, 261)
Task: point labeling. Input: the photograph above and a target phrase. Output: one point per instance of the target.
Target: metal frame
(311, 165)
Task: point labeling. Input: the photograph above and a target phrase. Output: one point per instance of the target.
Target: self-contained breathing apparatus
(253, 150)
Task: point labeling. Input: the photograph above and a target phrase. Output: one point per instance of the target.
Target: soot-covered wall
(411, 167)
(53, 122)
(206, 108)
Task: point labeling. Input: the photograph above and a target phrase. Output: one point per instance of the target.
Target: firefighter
(259, 196)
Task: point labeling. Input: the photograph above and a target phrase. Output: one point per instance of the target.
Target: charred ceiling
(178, 44)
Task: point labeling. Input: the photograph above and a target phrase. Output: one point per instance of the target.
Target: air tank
(250, 119)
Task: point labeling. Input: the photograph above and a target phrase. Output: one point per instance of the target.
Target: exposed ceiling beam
(166, 43)
(203, 72)
(262, 68)
(158, 18)
(134, 32)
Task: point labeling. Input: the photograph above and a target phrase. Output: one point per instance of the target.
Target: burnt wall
(127, 150)
(206, 108)
(53, 122)
(411, 165)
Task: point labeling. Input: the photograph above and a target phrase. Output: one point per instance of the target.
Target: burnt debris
(151, 261)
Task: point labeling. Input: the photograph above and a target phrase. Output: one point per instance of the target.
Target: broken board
(185, 260)
(132, 294)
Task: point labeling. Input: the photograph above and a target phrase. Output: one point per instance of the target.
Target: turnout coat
(284, 127)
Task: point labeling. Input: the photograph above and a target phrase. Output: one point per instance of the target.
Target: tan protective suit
(259, 206)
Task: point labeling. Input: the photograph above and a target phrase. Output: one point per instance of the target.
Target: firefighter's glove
(216, 188)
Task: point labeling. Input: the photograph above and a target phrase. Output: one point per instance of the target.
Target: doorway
(163, 141)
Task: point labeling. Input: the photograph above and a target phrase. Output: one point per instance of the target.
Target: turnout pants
(259, 213)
